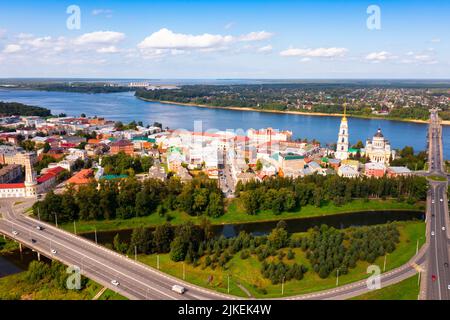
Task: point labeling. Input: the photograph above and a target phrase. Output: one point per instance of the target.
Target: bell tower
(342, 143)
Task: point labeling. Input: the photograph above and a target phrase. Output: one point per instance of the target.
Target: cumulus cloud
(379, 56)
(256, 36)
(167, 39)
(109, 49)
(315, 53)
(265, 49)
(100, 37)
(12, 48)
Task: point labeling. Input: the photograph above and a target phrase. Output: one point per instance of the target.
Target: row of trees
(327, 251)
(127, 198)
(326, 248)
(280, 194)
(122, 163)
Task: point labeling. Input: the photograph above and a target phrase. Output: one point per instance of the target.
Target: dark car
(33, 240)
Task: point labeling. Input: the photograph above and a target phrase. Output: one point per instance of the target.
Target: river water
(125, 107)
(339, 221)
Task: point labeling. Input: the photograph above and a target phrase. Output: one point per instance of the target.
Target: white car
(39, 227)
(441, 200)
(432, 233)
(178, 289)
(443, 228)
(115, 282)
(432, 201)
(53, 251)
(15, 233)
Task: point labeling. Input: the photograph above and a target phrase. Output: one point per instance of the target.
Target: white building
(379, 149)
(347, 171)
(342, 143)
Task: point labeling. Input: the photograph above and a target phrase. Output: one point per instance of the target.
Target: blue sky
(225, 39)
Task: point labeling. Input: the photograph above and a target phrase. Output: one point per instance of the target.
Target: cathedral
(342, 143)
(379, 149)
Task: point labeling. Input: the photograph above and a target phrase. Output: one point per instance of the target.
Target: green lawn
(235, 214)
(437, 178)
(111, 295)
(247, 272)
(15, 287)
(407, 289)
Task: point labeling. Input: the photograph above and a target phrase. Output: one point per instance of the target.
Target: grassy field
(407, 289)
(246, 273)
(437, 178)
(235, 214)
(15, 287)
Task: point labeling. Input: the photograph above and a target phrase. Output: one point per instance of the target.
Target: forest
(287, 194)
(16, 109)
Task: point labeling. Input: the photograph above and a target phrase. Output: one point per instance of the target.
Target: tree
(178, 249)
(162, 237)
(259, 165)
(278, 238)
(215, 205)
(141, 239)
(37, 271)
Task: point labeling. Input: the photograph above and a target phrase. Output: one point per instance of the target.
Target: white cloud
(379, 56)
(12, 48)
(315, 53)
(2, 33)
(166, 39)
(100, 37)
(256, 36)
(109, 49)
(265, 49)
(435, 40)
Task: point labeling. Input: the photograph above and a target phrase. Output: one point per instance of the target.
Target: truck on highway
(178, 289)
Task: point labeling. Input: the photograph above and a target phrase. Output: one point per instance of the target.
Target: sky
(168, 39)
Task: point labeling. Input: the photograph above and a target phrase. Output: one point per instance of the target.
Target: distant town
(69, 150)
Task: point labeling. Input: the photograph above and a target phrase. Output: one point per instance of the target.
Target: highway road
(438, 271)
(136, 280)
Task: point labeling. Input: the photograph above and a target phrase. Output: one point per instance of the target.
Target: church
(342, 143)
(378, 149)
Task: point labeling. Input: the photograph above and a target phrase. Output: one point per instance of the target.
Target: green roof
(112, 139)
(353, 150)
(325, 159)
(144, 139)
(114, 176)
(293, 157)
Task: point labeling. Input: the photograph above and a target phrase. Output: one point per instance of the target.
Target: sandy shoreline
(318, 114)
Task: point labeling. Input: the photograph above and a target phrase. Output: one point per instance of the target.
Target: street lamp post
(95, 234)
(337, 277)
(282, 286)
(384, 265)
(56, 219)
(228, 289)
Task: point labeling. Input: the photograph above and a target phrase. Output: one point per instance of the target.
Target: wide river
(125, 107)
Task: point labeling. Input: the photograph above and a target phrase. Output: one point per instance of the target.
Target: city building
(374, 169)
(342, 143)
(398, 171)
(124, 146)
(347, 171)
(379, 149)
(10, 173)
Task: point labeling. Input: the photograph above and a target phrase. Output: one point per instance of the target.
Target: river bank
(317, 114)
(235, 215)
